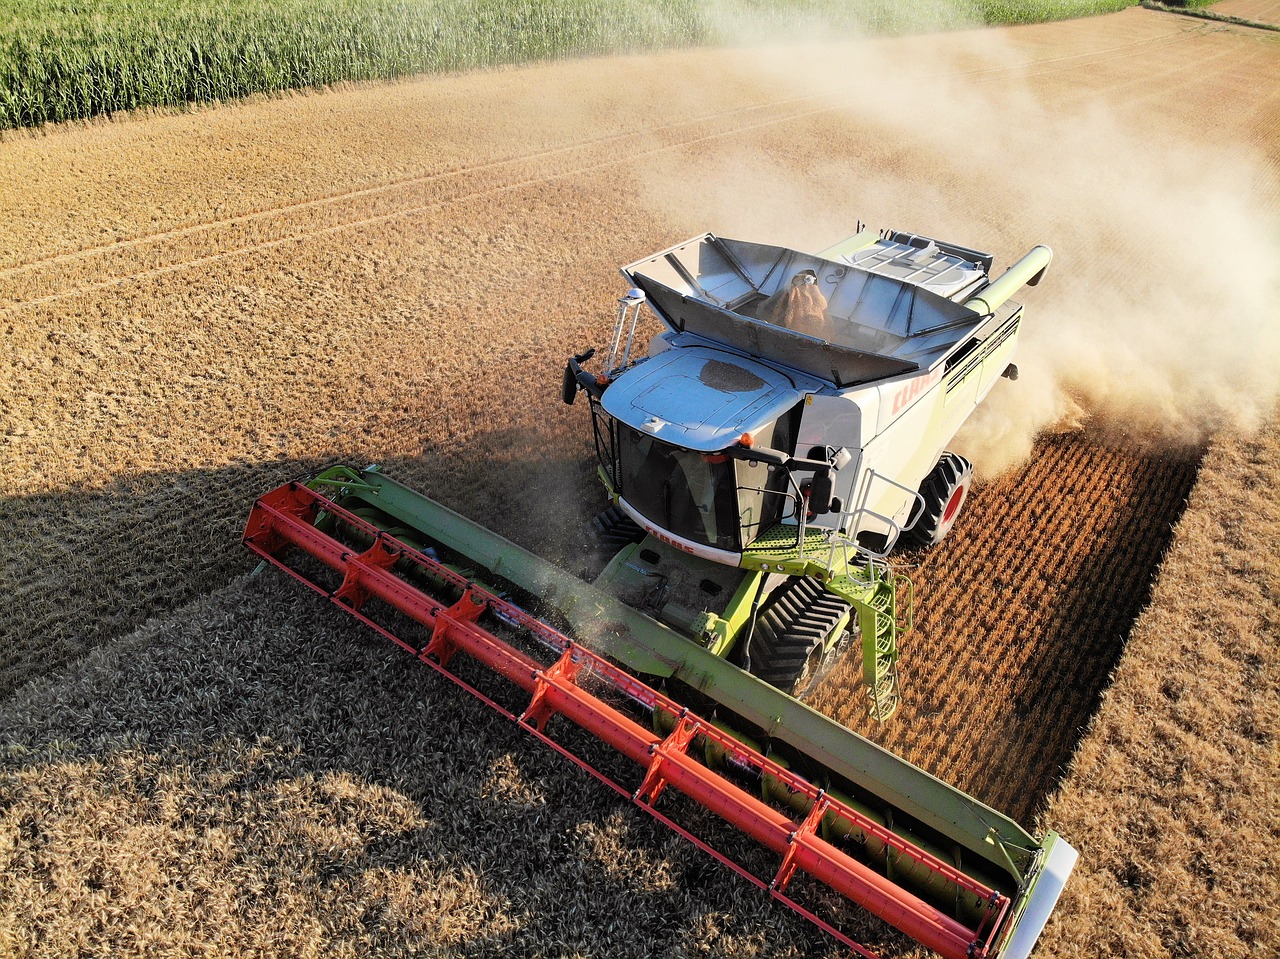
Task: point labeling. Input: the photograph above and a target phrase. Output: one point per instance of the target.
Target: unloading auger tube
(1026, 272)
(953, 874)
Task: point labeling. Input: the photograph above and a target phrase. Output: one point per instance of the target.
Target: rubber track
(796, 616)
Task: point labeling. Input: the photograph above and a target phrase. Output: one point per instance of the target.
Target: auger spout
(1026, 272)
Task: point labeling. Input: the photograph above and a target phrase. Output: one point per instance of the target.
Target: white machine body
(911, 335)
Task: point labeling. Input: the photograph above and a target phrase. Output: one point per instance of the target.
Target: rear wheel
(944, 491)
(801, 633)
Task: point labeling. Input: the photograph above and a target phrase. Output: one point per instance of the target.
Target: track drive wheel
(613, 529)
(944, 491)
(793, 647)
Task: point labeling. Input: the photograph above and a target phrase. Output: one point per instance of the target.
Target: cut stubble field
(201, 306)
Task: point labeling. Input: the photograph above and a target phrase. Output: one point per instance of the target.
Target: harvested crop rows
(1022, 614)
(200, 306)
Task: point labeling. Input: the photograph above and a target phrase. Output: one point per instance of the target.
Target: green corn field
(62, 60)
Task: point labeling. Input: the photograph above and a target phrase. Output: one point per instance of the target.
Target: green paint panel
(776, 551)
(853, 244)
(737, 614)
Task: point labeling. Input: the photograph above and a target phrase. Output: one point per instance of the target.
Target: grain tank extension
(763, 457)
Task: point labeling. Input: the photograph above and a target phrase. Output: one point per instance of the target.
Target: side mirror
(575, 378)
(821, 492)
(837, 456)
(570, 387)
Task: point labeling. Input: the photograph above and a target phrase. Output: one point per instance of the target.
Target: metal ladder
(884, 603)
(885, 610)
(881, 598)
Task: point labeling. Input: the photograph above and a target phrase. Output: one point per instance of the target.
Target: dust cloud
(1157, 321)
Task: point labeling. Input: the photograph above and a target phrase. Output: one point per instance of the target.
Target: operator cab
(707, 498)
(669, 435)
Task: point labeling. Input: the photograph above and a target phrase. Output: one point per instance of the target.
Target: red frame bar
(286, 517)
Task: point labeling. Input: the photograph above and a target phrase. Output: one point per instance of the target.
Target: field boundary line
(1212, 16)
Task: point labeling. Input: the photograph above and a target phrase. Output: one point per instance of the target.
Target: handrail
(628, 308)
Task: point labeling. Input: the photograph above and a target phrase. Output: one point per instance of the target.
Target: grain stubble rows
(187, 338)
(1022, 614)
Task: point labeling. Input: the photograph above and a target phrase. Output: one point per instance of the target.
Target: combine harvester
(781, 436)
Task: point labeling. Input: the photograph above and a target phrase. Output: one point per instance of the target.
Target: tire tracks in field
(114, 245)
(1181, 74)
(91, 269)
(409, 181)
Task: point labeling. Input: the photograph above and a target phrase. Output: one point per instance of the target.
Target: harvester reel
(793, 646)
(944, 491)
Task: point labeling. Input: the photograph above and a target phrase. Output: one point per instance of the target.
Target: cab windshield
(692, 495)
(709, 498)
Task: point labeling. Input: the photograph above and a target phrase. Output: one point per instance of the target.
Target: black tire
(613, 529)
(792, 646)
(944, 491)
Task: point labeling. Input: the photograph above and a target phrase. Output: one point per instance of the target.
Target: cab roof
(702, 398)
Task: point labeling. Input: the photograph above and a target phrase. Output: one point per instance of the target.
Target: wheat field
(197, 307)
